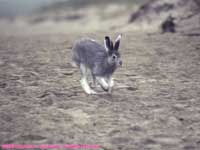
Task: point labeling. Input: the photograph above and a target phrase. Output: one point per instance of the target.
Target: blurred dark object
(153, 15)
(151, 7)
(168, 25)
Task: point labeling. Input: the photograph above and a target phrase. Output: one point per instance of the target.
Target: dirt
(155, 103)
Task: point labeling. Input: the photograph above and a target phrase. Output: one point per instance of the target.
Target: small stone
(131, 88)
(3, 85)
(119, 140)
(173, 121)
(68, 73)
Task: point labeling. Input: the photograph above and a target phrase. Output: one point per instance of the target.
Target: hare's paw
(86, 87)
(105, 88)
(104, 85)
(93, 92)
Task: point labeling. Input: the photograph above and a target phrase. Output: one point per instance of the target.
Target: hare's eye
(113, 56)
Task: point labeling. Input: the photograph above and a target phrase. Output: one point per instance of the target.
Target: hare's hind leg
(94, 82)
(84, 82)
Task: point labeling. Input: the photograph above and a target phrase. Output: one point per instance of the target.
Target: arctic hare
(100, 60)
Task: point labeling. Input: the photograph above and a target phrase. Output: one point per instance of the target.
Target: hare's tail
(75, 61)
(74, 64)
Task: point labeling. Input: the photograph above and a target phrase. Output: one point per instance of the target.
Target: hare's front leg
(110, 84)
(103, 83)
(84, 82)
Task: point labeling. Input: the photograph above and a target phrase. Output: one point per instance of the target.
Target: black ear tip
(107, 37)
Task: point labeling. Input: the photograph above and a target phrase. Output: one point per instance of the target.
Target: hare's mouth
(119, 64)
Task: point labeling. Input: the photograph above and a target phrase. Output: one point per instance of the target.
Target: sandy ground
(155, 104)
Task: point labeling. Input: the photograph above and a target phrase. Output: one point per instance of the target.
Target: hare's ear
(107, 43)
(111, 45)
(117, 42)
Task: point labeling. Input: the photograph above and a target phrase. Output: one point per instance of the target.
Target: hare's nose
(120, 63)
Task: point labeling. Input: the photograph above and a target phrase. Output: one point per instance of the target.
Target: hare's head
(113, 50)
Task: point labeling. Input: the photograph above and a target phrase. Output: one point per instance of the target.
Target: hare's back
(89, 45)
(87, 51)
